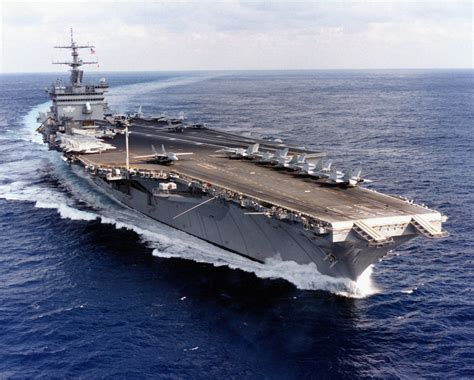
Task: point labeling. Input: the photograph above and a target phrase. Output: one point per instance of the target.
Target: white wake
(130, 96)
(21, 180)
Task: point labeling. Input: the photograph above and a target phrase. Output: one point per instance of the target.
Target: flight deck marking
(235, 140)
(158, 137)
(292, 202)
(279, 178)
(207, 166)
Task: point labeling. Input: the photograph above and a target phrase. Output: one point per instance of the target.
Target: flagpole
(127, 157)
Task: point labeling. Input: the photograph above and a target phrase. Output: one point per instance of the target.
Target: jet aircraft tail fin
(252, 149)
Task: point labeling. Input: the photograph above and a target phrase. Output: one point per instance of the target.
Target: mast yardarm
(76, 74)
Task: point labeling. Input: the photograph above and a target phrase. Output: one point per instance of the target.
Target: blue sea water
(89, 289)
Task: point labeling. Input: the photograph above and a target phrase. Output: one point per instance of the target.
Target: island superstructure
(257, 198)
(76, 102)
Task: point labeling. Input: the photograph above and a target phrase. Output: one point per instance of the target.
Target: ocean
(91, 289)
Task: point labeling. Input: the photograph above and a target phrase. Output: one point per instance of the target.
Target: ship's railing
(84, 90)
(256, 205)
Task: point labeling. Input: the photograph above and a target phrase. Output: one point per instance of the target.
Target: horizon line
(245, 70)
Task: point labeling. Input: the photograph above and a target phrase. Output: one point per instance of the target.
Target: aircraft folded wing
(146, 156)
(227, 150)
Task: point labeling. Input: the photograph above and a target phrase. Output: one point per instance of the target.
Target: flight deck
(266, 183)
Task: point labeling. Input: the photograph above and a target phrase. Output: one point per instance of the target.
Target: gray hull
(257, 237)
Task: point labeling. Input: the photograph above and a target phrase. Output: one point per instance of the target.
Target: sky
(239, 35)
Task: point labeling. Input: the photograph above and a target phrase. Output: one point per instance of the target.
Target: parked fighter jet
(321, 169)
(273, 158)
(266, 157)
(138, 114)
(163, 157)
(296, 162)
(83, 144)
(250, 152)
(337, 177)
(349, 179)
(283, 162)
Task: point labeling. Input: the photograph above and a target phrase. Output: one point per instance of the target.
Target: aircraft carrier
(257, 198)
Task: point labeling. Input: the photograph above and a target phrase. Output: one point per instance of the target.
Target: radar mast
(76, 74)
